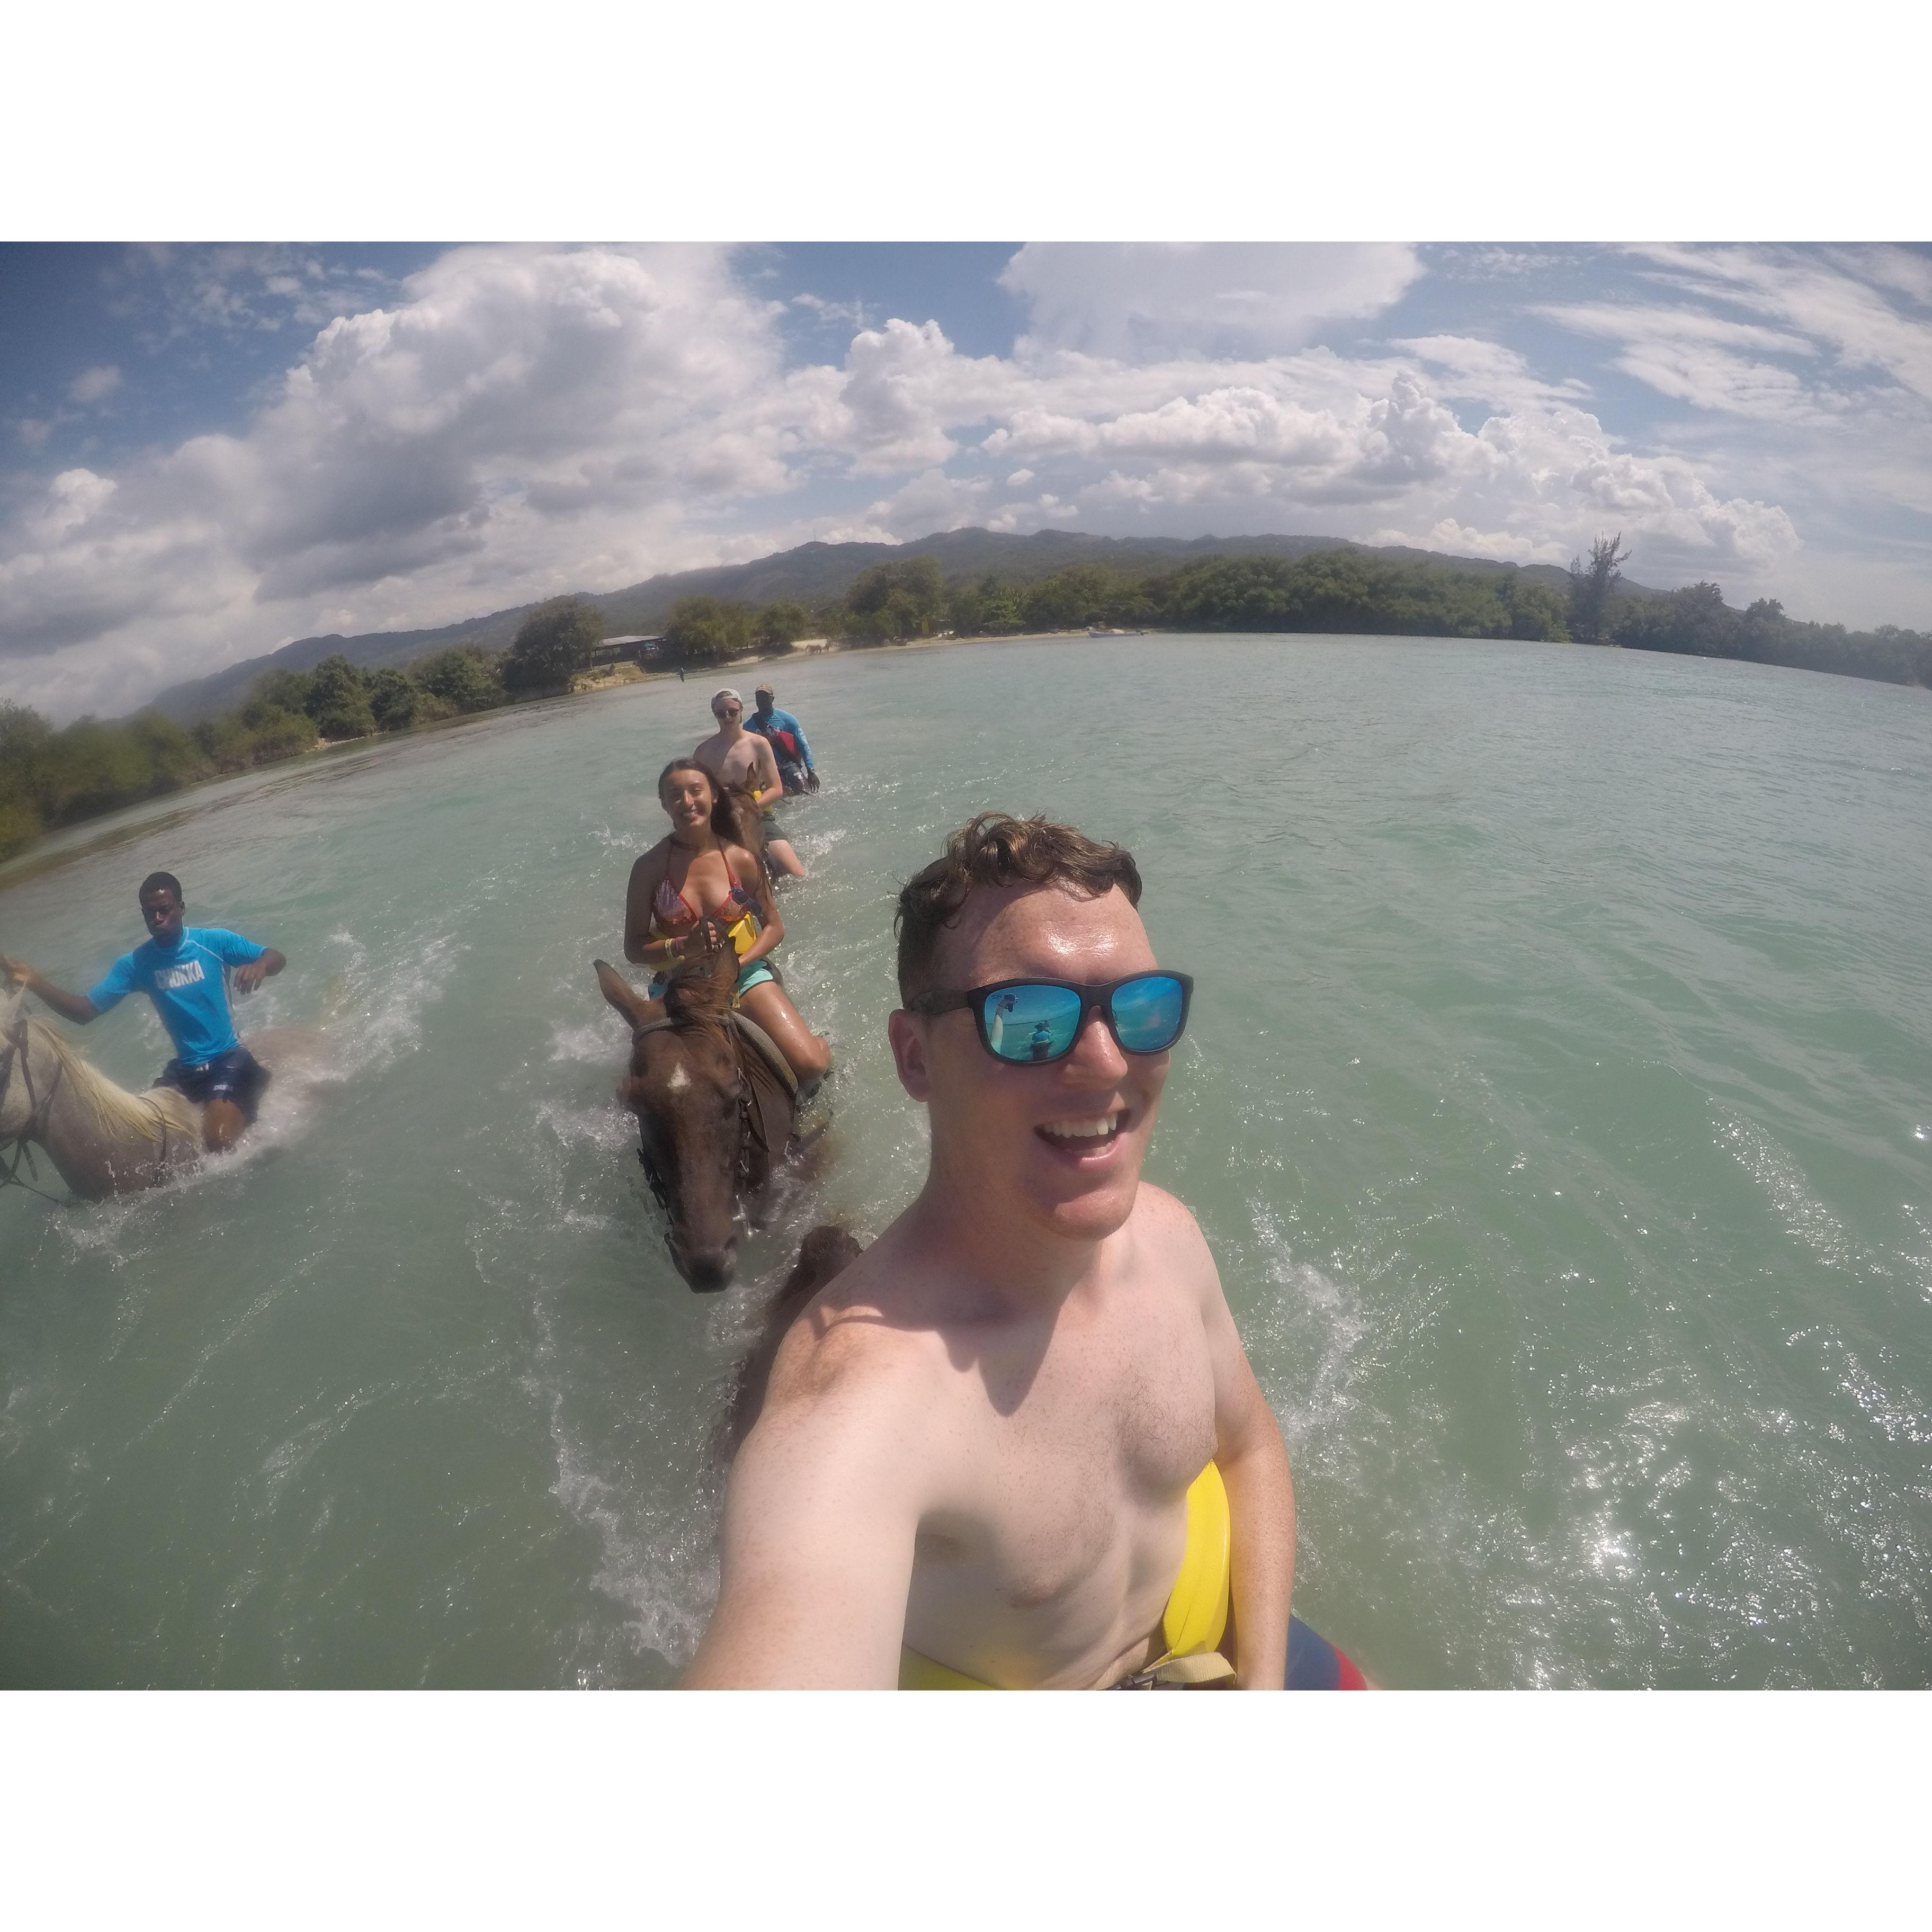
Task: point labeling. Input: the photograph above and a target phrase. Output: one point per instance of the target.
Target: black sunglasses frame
(1095, 997)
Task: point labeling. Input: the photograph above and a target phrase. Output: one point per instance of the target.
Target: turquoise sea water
(1556, 1104)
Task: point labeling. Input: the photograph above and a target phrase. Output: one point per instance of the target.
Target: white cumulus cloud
(513, 422)
(91, 386)
(1142, 302)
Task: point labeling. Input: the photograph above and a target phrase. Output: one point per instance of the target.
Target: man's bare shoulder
(1165, 1227)
(1159, 1216)
(852, 1349)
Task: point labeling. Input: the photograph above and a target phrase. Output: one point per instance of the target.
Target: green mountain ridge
(812, 573)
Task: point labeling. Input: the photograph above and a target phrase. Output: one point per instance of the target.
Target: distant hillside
(814, 573)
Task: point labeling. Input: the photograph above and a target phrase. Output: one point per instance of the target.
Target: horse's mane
(736, 816)
(108, 1112)
(698, 991)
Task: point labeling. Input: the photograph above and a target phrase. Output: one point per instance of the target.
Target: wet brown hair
(996, 849)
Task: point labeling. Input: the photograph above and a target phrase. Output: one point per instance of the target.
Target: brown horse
(715, 1108)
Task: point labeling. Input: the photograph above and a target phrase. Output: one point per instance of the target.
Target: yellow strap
(1196, 1672)
(1196, 1616)
(918, 1672)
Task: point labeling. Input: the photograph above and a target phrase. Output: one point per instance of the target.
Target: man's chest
(740, 763)
(189, 977)
(1102, 1443)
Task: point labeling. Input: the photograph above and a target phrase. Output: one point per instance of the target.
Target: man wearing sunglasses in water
(1013, 1442)
(735, 756)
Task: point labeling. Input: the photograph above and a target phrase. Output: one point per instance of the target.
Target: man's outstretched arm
(817, 1548)
(75, 1006)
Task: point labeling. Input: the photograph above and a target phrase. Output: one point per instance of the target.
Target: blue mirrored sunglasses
(1034, 1022)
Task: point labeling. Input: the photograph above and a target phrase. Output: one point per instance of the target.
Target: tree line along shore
(51, 778)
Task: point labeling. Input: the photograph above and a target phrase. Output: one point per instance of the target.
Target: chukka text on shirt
(188, 984)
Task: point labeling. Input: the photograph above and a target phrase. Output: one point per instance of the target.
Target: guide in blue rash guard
(188, 972)
(786, 737)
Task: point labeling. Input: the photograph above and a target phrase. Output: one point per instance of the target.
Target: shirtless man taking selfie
(1017, 1443)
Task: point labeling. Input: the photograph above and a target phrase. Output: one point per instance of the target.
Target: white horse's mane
(108, 1113)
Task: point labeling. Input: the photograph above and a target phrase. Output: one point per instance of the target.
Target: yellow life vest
(1196, 1616)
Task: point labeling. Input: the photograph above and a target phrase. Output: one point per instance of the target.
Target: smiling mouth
(1085, 1134)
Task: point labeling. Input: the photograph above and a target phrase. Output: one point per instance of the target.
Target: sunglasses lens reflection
(1031, 1023)
(1147, 1013)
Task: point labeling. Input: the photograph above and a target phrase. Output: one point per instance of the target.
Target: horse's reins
(751, 1134)
(751, 1131)
(37, 1111)
(659, 1189)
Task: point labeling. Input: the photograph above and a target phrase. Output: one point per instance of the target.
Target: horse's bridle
(748, 1134)
(38, 1109)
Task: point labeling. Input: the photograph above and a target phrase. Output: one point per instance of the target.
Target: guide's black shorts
(235, 1076)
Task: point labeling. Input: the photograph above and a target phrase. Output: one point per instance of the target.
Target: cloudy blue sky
(205, 451)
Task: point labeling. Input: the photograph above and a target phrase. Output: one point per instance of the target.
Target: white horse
(101, 1139)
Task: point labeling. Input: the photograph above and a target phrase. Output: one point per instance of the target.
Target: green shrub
(20, 823)
(554, 643)
(276, 734)
(893, 601)
(777, 627)
(462, 677)
(393, 700)
(338, 700)
(704, 630)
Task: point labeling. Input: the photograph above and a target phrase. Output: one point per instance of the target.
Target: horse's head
(685, 1085)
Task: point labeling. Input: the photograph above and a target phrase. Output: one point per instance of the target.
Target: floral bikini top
(673, 915)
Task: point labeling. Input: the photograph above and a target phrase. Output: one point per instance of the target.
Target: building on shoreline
(643, 652)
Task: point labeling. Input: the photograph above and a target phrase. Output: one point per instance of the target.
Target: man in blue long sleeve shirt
(786, 737)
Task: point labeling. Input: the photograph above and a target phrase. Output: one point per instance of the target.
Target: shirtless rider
(188, 971)
(735, 756)
(985, 1446)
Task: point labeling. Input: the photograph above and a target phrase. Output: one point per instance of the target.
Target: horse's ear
(620, 992)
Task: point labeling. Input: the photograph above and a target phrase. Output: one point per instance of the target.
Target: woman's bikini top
(673, 915)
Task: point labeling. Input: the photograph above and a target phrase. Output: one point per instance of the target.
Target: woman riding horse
(700, 873)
